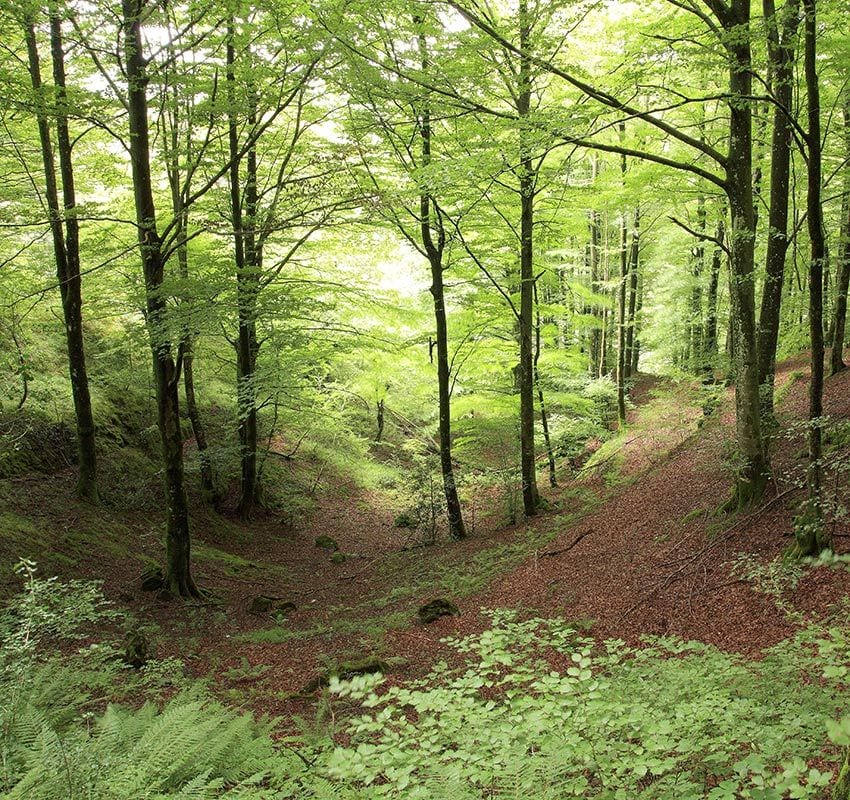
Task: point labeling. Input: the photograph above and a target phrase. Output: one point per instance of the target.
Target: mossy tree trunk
(178, 578)
(781, 56)
(753, 467)
(64, 229)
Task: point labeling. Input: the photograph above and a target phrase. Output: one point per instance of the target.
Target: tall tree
(781, 36)
(811, 535)
(166, 367)
(412, 144)
(64, 228)
(729, 24)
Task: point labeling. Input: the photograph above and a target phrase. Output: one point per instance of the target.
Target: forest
(424, 399)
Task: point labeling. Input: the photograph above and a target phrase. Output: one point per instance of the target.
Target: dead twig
(569, 547)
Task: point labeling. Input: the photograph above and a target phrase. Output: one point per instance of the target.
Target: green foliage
(53, 745)
(539, 710)
(532, 707)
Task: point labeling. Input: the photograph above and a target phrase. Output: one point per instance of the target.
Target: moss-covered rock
(432, 611)
(263, 604)
(152, 578)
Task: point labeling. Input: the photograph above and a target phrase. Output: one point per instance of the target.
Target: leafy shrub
(671, 720)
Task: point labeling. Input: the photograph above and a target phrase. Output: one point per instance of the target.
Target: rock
(432, 611)
(338, 558)
(137, 649)
(152, 578)
(263, 604)
(326, 542)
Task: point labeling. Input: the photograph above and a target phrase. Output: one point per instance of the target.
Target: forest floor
(630, 545)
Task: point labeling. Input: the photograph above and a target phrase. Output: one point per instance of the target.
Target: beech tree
(728, 24)
(403, 116)
(52, 113)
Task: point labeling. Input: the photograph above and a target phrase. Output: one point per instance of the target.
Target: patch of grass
(21, 538)
(693, 514)
(781, 391)
(608, 460)
(233, 565)
(82, 543)
(369, 628)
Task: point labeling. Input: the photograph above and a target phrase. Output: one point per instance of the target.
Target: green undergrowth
(670, 719)
(529, 708)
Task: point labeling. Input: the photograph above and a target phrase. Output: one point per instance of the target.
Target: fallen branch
(569, 547)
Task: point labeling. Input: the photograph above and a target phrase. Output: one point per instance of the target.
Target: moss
(695, 513)
(233, 565)
(22, 538)
(31, 441)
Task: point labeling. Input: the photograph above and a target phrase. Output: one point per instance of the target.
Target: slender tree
(64, 228)
(811, 535)
(842, 278)
(781, 36)
(166, 368)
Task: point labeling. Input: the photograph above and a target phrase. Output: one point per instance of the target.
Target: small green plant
(669, 720)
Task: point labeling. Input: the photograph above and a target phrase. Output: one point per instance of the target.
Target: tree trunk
(544, 420)
(842, 279)
(811, 536)
(197, 422)
(181, 215)
(634, 350)
(65, 246)
(246, 257)
(621, 320)
(634, 255)
(753, 469)
(530, 497)
(781, 55)
(596, 357)
(178, 577)
(695, 334)
(710, 336)
(429, 220)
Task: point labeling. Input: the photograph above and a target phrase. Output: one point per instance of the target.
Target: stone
(137, 649)
(261, 605)
(152, 578)
(432, 611)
